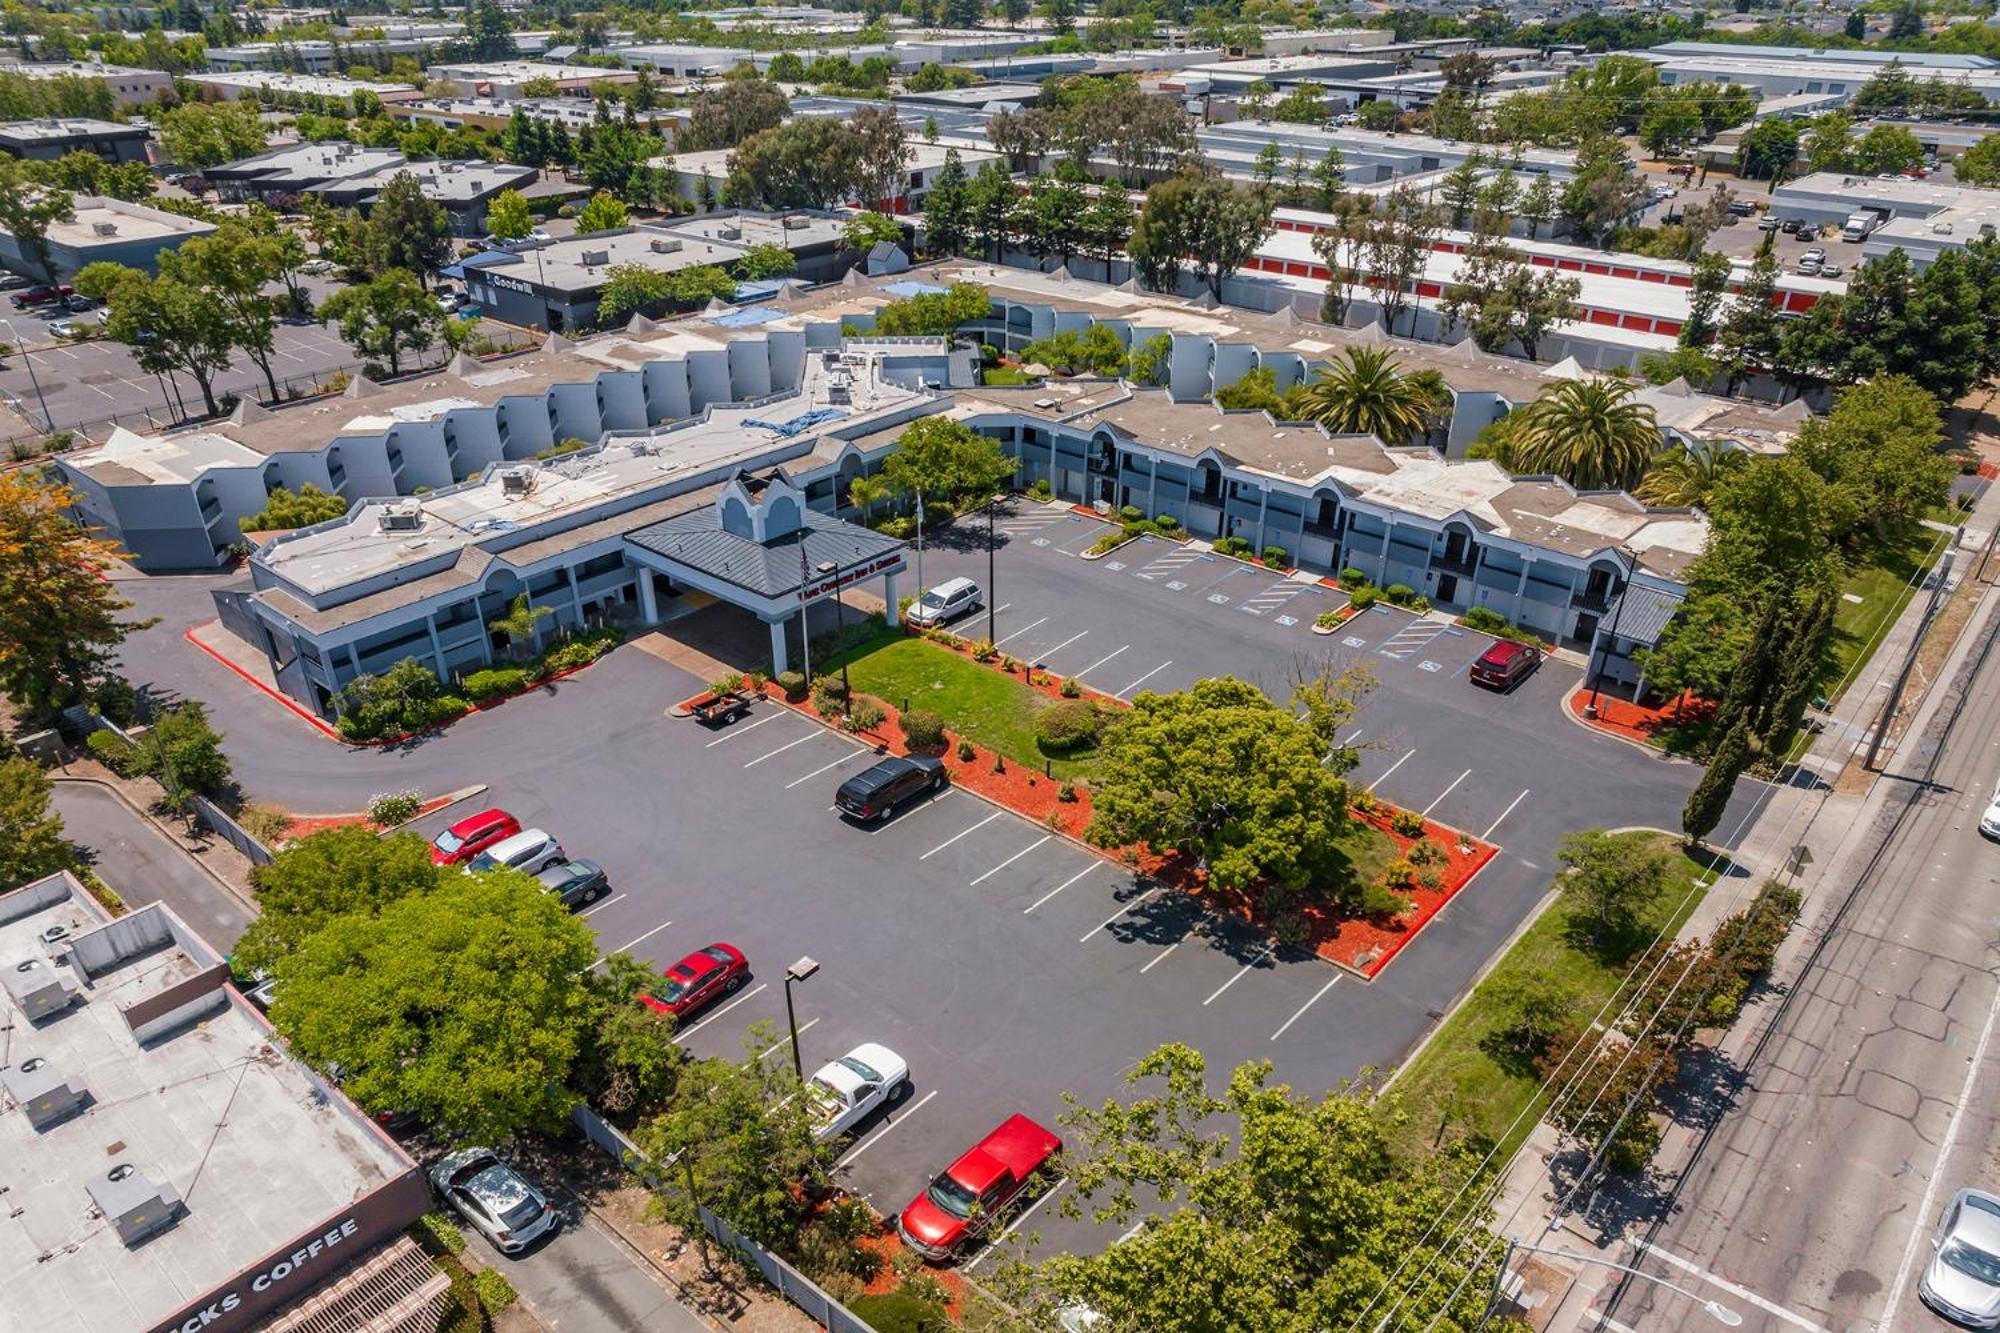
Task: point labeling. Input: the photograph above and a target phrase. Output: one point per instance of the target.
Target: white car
(1989, 822)
(529, 852)
(1962, 1280)
(845, 1091)
(945, 603)
(494, 1197)
(316, 267)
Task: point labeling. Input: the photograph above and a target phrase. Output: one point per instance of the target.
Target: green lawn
(1465, 1077)
(988, 707)
(1004, 375)
(1884, 578)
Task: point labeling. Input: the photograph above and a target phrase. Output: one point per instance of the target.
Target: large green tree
(465, 1004)
(1278, 1210)
(387, 317)
(347, 870)
(61, 619)
(815, 162)
(507, 217)
(1610, 879)
(1220, 773)
(1589, 432)
(31, 832)
(232, 266)
(169, 323)
(1365, 391)
(407, 229)
(28, 209)
(197, 135)
(1204, 223)
(940, 457)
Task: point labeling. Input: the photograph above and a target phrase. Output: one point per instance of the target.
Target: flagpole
(920, 544)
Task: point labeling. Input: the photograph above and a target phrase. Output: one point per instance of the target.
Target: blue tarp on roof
(803, 421)
(914, 288)
(747, 317)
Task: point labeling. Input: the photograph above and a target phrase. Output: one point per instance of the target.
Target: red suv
(471, 836)
(1505, 664)
(702, 976)
(976, 1189)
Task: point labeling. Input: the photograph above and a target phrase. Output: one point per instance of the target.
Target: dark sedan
(577, 882)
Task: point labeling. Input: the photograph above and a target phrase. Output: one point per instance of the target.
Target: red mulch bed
(1640, 722)
(1360, 944)
(888, 1244)
(304, 826)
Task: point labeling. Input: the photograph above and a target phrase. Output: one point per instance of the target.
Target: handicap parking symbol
(1428, 665)
(1218, 598)
(1288, 621)
(1040, 541)
(1176, 585)
(1114, 565)
(1353, 642)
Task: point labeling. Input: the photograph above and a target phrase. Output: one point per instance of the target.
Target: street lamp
(992, 593)
(1617, 613)
(1715, 1310)
(829, 567)
(798, 971)
(48, 422)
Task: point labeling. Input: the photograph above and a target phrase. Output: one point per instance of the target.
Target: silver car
(494, 1197)
(1962, 1280)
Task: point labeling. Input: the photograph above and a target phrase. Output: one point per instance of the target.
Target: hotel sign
(887, 562)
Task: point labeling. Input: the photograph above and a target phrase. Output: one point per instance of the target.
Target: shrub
(1398, 873)
(579, 651)
(1234, 546)
(1424, 852)
(115, 753)
(1486, 620)
(898, 1312)
(984, 651)
(1364, 597)
(408, 697)
(439, 1234)
(1041, 490)
(268, 824)
(494, 682)
(394, 807)
(1114, 537)
(115, 699)
(1069, 689)
(966, 754)
(1420, 603)
(863, 714)
(1010, 664)
(726, 684)
(1353, 578)
(793, 683)
(1378, 900)
(923, 728)
(1400, 593)
(1407, 823)
(495, 1292)
(1166, 523)
(1365, 802)
(1277, 557)
(1066, 793)
(1327, 619)
(1065, 726)
(1131, 514)
(1430, 877)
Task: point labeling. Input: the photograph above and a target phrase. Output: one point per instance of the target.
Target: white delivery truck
(1862, 224)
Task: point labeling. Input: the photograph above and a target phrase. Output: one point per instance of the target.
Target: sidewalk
(1821, 809)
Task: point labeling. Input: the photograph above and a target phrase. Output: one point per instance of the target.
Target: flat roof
(583, 263)
(1860, 190)
(70, 127)
(313, 162)
(284, 81)
(258, 1148)
(448, 182)
(90, 69)
(512, 71)
(127, 459)
(1820, 54)
(90, 214)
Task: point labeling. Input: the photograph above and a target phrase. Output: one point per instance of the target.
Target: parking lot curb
(1570, 716)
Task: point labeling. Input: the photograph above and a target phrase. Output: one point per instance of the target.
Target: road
(1874, 1099)
(143, 865)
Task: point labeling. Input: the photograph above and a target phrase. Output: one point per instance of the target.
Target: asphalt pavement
(142, 865)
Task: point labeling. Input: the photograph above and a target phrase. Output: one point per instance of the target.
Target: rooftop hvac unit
(401, 516)
(517, 480)
(134, 1205)
(37, 989)
(41, 1091)
(797, 224)
(594, 257)
(1940, 229)
(104, 228)
(666, 245)
(729, 233)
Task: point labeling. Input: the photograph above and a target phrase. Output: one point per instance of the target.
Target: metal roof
(1643, 613)
(698, 541)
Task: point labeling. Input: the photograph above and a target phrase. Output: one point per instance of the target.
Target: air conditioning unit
(666, 245)
(42, 1093)
(729, 233)
(37, 989)
(594, 257)
(797, 224)
(134, 1205)
(401, 516)
(517, 480)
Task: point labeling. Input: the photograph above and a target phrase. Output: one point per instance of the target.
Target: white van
(945, 603)
(528, 852)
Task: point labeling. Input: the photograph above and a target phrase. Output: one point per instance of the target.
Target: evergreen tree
(1710, 796)
(1798, 674)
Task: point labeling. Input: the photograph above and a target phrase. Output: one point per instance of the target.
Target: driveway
(142, 865)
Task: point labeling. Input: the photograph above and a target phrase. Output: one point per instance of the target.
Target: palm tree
(1365, 393)
(1588, 432)
(1686, 477)
(522, 624)
(867, 492)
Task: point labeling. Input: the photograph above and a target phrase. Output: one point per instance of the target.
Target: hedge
(1070, 724)
(494, 682)
(923, 728)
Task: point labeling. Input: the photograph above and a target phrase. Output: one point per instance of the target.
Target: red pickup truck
(972, 1192)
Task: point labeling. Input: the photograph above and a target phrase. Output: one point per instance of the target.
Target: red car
(701, 977)
(1505, 664)
(35, 296)
(471, 836)
(972, 1192)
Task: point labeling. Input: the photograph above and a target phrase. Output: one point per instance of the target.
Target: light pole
(48, 422)
(839, 623)
(1715, 1310)
(1617, 613)
(992, 595)
(798, 971)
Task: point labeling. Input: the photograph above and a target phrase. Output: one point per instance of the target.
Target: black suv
(874, 792)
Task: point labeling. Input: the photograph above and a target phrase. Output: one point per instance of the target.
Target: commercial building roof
(96, 221)
(284, 81)
(182, 1083)
(57, 129)
(776, 569)
(1916, 60)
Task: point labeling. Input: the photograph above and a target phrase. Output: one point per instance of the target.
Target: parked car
(577, 882)
(876, 792)
(1962, 1280)
(14, 282)
(449, 302)
(1768, 223)
(1791, 227)
(1742, 208)
(528, 852)
(1505, 665)
(699, 979)
(471, 836)
(973, 1193)
(945, 603)
(494, 1197)
(1829, 270)
(66, 328)
(1989, 823)
(39, 296)
(316, 267)
(845, 1091)
(1809, 267)
(77, 303)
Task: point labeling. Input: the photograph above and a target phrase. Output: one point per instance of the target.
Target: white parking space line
(633, 944)
(1060, 887)
(601, 906)
(956, 836)
(1392, 768)
(1047, 653)
(1085, 937)
(1148, 676)
(754, 991)
(994, 1246)
(1099, 662)
(1239, 975)
(888, 824)
(734, 732)
(1011, 860)
(1741, 1293)
(1448, 790)
(1161, 956)
(772, 754)
(1019, 632)
(786, 1040)
(855, 754)
(876, 1137)
(1307, 1005)
(1503, 815)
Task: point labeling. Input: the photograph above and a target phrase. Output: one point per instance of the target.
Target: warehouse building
(167, 1166)
(103, 229)
(46, 140)
(129, 87)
